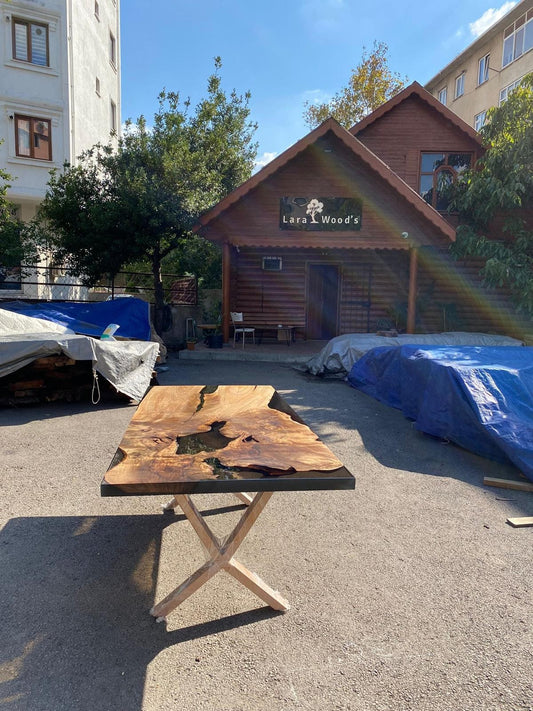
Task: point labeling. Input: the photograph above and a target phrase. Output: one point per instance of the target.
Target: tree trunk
(159, 295)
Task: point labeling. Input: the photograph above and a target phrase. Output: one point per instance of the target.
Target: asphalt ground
(409, 593)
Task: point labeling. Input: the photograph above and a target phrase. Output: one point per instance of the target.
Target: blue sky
(284, 52)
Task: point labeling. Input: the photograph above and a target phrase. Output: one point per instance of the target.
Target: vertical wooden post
(411, 301)
(226, 270)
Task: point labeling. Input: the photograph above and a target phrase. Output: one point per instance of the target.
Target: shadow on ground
(75, 597)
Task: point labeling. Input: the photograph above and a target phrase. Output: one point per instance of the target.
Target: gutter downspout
(70, 85)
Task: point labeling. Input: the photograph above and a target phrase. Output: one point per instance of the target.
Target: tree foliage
(495, 199)
(140, 202)
(371, 83)
(15, 244)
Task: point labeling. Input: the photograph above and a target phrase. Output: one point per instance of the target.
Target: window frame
(460, 83)
(113, 116)
(443, 92)
(28, 24)
(483, 69)
(508, 90)
(523, 26)
(33, 120)
(482, 114)
(112, 50)
(444, 167)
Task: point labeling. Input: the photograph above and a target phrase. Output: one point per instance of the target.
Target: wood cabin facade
(333, 236)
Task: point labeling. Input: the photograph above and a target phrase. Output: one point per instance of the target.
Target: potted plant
(190, 343)
(214, 337)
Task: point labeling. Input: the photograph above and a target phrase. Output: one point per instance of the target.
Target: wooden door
(322, 301)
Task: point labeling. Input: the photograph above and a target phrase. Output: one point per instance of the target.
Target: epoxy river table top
(191, 439)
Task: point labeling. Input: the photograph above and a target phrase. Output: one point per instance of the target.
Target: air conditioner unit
(272, 264)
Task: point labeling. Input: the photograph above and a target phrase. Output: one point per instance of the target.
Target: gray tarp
(338, 356)
(127, 365)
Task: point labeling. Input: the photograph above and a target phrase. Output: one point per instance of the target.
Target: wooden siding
(324, 169)
(373, 288)
(410, 128)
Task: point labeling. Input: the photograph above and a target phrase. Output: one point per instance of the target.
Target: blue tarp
(481, 398)
(90, 319)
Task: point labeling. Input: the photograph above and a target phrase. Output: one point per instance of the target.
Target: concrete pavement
(409, 594)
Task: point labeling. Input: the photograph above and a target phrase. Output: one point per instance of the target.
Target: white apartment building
(492, 66)
(59, 88)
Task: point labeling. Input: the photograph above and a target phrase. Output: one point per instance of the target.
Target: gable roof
(416, 89)
(363, 153)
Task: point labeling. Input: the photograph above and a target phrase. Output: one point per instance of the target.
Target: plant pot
(190, 345)
(215, 340)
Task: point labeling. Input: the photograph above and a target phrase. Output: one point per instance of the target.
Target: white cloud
(488, 18)
(264, 159)
(323, 16)
(315, 97)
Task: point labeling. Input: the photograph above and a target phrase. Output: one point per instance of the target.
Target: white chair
(236, 319)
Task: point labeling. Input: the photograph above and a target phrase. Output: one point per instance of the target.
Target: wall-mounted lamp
(405, 235)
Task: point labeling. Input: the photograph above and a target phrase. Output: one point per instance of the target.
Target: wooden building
(346, 231)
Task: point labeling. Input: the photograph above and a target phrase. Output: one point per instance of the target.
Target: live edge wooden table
(193, 439)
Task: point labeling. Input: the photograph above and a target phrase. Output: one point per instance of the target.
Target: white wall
(63, 92)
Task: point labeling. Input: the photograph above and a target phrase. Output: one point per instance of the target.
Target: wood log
(508, 484)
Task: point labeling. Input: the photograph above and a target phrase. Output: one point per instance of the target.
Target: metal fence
(46, 283)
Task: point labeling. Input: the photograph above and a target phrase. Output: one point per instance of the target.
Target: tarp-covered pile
(90, 319)
(481, 398)
(339, 354)
(127, 365)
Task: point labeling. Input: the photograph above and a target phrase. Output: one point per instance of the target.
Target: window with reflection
(437, 172)
(30, 42)
(518, 38)
(32, 138)
(459, 85)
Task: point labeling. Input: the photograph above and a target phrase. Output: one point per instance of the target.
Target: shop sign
(320, 214)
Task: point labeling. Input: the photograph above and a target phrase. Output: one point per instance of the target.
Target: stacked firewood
(52, 378)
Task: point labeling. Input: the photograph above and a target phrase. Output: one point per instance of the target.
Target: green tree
(495, 199)
(140, 202)
(16, 246)
(370, 84)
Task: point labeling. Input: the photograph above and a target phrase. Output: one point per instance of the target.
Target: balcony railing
(42, 283)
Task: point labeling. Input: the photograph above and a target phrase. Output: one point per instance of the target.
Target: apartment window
(30, 42)
(483, 73)
(437, 172)
(33, 138)
(479, 120)
(96, 10)
(97, 86)
(459, 85)
(443, 95)
(113, 115)
(112, 49)
(507, 90)
(517, 38)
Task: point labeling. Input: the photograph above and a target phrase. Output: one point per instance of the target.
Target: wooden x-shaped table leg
(221, 553)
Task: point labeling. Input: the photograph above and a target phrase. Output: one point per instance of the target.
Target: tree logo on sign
(314, 207)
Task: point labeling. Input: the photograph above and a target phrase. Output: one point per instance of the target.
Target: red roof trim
(416, 89)
(360, 150)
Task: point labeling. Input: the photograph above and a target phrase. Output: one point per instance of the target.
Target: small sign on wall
(320, 214)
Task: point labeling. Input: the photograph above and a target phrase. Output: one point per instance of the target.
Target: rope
(96, 386)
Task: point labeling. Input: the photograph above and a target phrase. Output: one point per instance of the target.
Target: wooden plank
(521, 521)
(508, 483)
